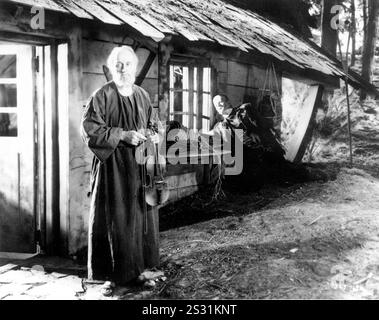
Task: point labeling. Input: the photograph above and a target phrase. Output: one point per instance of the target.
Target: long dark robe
(118, 247)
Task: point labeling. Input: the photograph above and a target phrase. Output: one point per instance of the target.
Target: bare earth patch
(319, 241)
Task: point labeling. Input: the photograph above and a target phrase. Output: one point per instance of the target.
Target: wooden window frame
(14, 109)
(195, 95)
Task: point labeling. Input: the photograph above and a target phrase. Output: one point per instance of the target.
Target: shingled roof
(214, 21)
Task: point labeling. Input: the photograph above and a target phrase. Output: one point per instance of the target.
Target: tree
(353, 33)
(368, 55)
(292, 13)
(329, 35)
(364, 9)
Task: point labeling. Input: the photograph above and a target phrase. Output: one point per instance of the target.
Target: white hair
(112, 59)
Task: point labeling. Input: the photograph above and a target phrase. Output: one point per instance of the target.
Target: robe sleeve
(100, 138)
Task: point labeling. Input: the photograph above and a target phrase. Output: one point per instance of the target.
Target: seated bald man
(259, 143)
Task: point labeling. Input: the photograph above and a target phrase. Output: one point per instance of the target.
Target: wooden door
(302, 136)
(17, 217)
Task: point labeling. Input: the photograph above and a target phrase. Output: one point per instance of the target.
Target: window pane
(205, 125)
(207, 79)
(171, 102)
(195, 108)
(178, 96)
(8, 125)
(172, 78)
(185, 95)
(178, 117)
(8, 66)
(206, 104)
(185, 109)
(185, 78)
(8, 95)
(178, 78)
(195, 78)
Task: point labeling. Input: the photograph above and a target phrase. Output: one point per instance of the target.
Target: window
(8, 95)
(190, 95)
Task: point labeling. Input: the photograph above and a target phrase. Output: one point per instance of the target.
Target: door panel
(300, 139)
(17, 219)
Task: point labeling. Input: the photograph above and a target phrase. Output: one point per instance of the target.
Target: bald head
(222, 105)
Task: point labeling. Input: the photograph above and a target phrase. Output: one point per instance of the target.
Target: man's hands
(135, 138)
(132, 137)
(154, 138)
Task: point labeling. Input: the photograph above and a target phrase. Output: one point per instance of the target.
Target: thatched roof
(212, 21)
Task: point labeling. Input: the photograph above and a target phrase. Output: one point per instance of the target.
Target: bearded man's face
(125, 69)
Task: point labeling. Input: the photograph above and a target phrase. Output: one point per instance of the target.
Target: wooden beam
(52, 214)
(146, 67)
(214, 89)
(36, 153)
(64, 147)
(41, 127)
(76, 196)
(25, 38)
(164, 53)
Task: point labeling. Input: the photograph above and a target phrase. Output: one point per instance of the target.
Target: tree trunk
(368, 56)
(364, 9)
(328, 34)
(353, 33)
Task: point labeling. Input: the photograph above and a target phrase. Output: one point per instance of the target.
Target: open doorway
(300, 104)
(30, 98)
(17, 170)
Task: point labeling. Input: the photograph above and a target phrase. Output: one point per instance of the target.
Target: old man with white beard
(123, 238)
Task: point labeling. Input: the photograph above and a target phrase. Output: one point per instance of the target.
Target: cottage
(52, 54)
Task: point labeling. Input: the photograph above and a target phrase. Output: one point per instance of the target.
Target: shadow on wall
(16, 232)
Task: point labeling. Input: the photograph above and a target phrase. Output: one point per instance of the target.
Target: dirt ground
(316, 240)
(290, 240)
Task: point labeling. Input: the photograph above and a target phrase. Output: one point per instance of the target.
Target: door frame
(50, 237)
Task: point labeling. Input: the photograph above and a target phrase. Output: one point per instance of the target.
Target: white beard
(124, 80)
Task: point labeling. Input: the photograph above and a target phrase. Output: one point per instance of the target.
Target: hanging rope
(271, 93)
